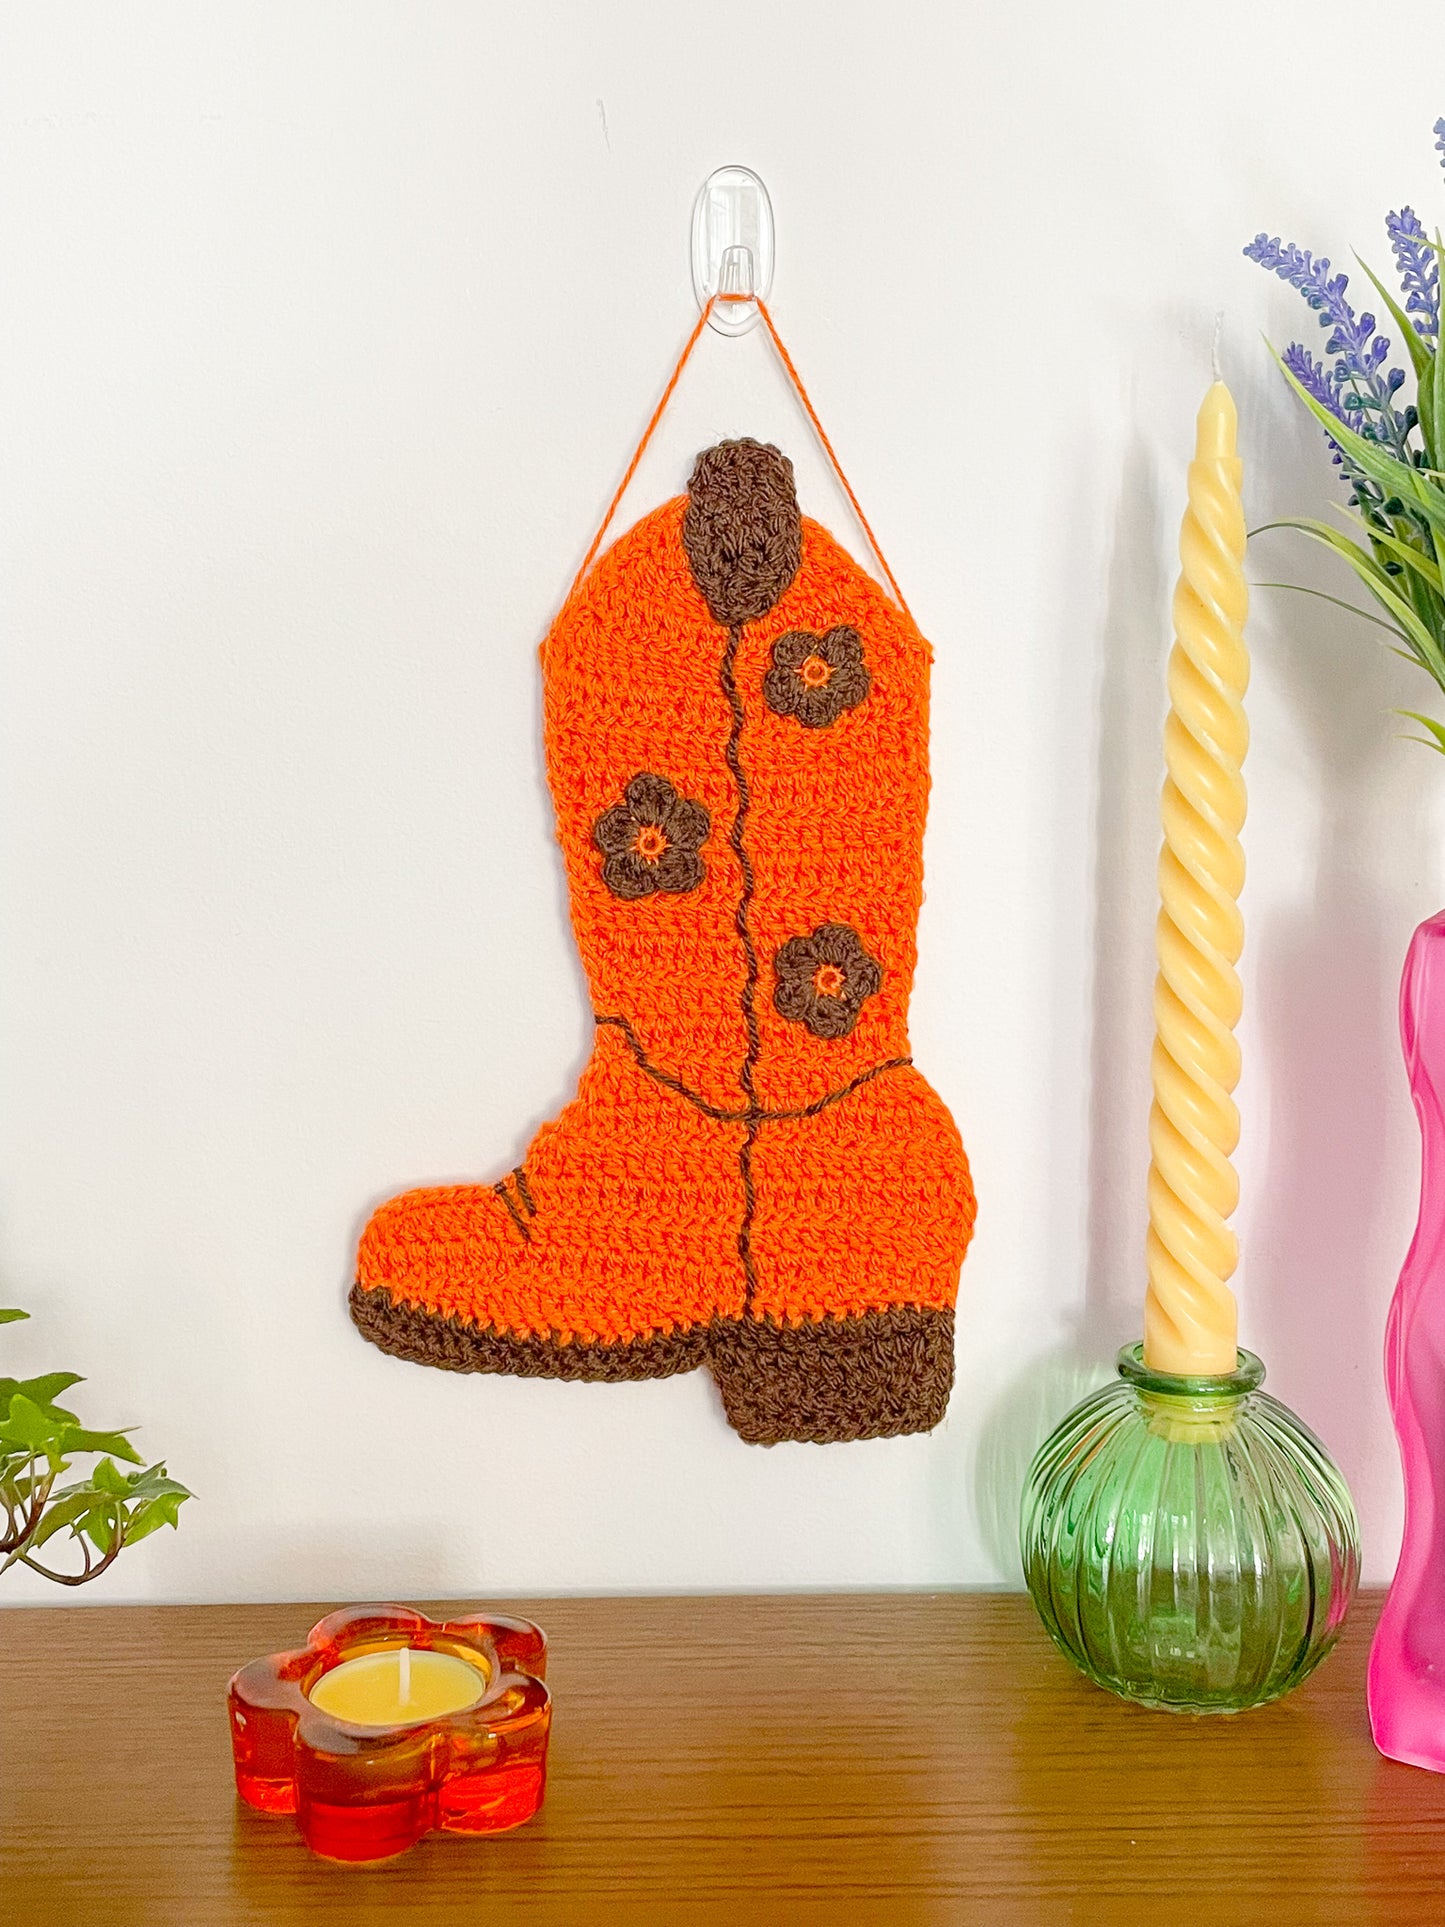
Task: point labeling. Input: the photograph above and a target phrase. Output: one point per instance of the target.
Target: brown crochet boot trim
(430, 1338)
(834, 1379)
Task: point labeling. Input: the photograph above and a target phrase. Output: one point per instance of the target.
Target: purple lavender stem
(1418, 269)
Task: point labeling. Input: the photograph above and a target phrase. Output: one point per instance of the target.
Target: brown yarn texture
(753, 1175)
(742, 530)
(874, 1377)
(455, 1345)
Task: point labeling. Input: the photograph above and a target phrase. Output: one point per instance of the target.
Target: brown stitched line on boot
(728, 675)
(516, 1216)
(834, 1097)
(666, 1078)
(519, 1178)
(757, 1113)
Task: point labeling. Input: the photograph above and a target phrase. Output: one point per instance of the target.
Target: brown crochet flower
(824, 980)
(817, 678)
(650, 841)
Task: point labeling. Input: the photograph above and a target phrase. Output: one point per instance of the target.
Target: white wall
(327, 327)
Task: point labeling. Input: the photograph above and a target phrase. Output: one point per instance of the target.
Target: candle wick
(1214, 347)
(405, 1675)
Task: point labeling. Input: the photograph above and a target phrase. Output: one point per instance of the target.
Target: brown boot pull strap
(812, 414)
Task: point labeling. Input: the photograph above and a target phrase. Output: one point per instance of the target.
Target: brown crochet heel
(871, 1377)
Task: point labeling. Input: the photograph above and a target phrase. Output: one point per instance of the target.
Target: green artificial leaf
(1420, 354)
(1427, 647)
(1396, 478)
(1433, 450)
(1413, 559)
(1299, 588)
(1436, 738)
(9, 1317)
(1425, 408)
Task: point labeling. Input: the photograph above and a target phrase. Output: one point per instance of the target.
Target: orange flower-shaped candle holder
(362, 1792)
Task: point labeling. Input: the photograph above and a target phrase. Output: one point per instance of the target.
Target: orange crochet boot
(751, 1175)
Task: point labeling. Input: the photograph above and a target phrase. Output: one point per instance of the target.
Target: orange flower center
(650, 844)
(828, 980)
(816, 673)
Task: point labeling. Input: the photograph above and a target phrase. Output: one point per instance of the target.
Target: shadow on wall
(500, 1151)
(1327, 1238)
(1132, 701)
(364, 1557)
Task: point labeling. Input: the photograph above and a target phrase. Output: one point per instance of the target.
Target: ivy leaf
(91, 1510)
(101, 1511)
(154, 1514)
(61, 1513)
(75, 1439)
(57, 1415)
(154, 1482)
(108, 1477)
(42, 1389)
(99, 1526)
(29, 1425)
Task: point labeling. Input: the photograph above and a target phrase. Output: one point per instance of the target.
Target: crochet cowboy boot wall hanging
(752, 1175)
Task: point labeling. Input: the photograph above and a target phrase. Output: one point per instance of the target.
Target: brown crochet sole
(431, 1338)
(835, 1379)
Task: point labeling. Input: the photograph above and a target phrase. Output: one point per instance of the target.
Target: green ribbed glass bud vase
(1188, 1542)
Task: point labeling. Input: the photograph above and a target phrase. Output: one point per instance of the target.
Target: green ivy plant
(99, 1513)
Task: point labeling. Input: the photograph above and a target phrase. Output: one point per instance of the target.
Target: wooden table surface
(857, 1759)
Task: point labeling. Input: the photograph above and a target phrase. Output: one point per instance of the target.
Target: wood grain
(856, 1759)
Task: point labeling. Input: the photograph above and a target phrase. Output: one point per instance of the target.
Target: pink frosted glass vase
(1407, 1659)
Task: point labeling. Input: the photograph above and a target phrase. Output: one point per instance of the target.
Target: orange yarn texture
(752, 1175)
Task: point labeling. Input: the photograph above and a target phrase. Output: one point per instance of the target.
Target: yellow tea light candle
(399, 1686)
(1189, 1312)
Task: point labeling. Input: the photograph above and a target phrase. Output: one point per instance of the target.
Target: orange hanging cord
(812, 414)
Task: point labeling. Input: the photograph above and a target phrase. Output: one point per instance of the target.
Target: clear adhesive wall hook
(732, 247)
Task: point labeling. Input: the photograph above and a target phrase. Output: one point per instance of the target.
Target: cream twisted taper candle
(1189, 1311)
